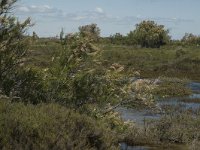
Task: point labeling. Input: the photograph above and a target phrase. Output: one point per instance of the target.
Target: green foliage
(177, 129)
(12, 44)
(149, 34)
(15, 81)
(12, 41)
(181, 127)
(51, 126)
(29, 87)
(35, 36)
(189, 38)
(6, 5)
(180, 53)
(64, 38)
(117, 39)
(62, 35)
(91, 87)
(169, 60)
(91, 31)
(69, 66)
(41, 52)
(26, 86)
(171, 87)
(79, 75)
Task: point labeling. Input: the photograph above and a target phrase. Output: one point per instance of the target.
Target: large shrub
(12, 41)
(149, 34)
(190, 38)
(77, 77)
(51, 126)
(117, 39)
(15, 80)
(91, 30)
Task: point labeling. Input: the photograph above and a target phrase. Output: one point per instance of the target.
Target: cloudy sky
(49, 16)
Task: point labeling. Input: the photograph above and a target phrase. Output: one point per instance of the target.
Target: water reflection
(124, 146)
(137, 116)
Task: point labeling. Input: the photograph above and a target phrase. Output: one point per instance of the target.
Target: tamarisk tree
(12, 41)
(16, 80)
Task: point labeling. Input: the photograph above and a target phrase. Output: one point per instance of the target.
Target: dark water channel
(171, 147)
(138, 116)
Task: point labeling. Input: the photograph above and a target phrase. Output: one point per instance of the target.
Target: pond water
(194, 86)
(187, 101)
(138, 116)
(124, 146)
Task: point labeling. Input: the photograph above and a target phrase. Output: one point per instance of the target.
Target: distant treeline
(146, 34)
(119, 39)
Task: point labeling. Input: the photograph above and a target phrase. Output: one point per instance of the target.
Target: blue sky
(49, 16)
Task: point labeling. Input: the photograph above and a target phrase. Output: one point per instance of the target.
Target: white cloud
(33, 9)
(98, 15)
(99, 10)
(78, 18)
(23, 9)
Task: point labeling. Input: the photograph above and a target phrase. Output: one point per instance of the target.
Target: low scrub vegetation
(171, 87)
(177, 129)
(61, 94)
(51, 126)
(166, 61)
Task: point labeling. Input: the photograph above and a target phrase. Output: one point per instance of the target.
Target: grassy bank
(177, 129)
(169, 87)
(169, 61)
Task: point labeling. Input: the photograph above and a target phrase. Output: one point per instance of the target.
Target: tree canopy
(91, 30)
(16, 81)
(149, 34)
(190, 38)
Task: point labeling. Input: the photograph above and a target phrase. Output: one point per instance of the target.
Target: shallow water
(139, 116)
(161, 147)
(176, 101)
(124, 146)
(194, 96)
(194, 86)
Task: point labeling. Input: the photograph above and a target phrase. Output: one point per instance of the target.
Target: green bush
(91, 30)
(50, 126)
(15, 80)
(169, 88)
(190, 39)
(181, 127)
(150, 34)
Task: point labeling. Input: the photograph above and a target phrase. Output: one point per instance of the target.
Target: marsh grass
(158, 61)
(167, 61)
(169, 88)
(41, 53)
(195, 100)
(177, 129)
